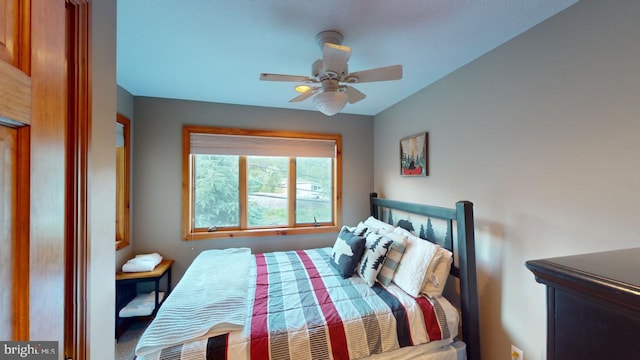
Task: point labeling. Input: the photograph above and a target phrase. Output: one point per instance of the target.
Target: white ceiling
(215, 50)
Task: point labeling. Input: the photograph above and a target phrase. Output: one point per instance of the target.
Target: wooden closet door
(15, 61)
(15, 118)
(9, 47)
(7, 228)
(33, 101)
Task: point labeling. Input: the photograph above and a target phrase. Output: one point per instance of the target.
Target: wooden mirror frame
(122, 186)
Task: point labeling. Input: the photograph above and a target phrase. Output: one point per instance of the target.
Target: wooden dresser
(593, 304)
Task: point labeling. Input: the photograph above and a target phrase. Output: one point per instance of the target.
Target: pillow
(412, 270)
(435, 280)
(375, 252)
(407, 233)
(378, 226)
(361, 229)
(346, 252)
(393, 258)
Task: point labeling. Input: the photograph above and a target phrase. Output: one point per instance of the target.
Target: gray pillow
(347, 252)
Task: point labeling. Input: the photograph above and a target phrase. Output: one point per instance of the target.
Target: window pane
(217, 195)
(313, 190)
(267, 180)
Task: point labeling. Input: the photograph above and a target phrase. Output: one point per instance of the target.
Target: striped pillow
(393, 258)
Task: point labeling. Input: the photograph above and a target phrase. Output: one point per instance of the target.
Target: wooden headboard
(459, 218)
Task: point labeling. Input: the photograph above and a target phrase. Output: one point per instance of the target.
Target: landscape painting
(414, 156)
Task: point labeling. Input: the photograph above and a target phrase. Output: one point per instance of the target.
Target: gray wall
(542, 135)
(157, 163)
(125, 103)
(101, 192)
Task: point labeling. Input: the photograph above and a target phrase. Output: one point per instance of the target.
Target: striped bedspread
(301, 308)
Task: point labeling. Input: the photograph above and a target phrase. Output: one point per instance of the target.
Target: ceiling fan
(330, 79)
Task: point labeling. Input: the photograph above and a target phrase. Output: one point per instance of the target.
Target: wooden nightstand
(126, 290)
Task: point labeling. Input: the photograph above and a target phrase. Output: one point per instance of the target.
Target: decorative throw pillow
(347, 252)
(435, 280)
(375, 253)
(380, 227)
(393, 258)
(412, 270)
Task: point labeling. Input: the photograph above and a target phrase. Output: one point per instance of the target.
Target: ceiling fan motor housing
(318, 72)
(329, 36)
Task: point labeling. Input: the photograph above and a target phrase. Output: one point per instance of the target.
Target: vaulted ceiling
(215, 50)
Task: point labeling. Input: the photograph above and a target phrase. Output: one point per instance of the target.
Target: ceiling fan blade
(386, 73)
(305, 95)
(289, 78)
(353, 94)
(334, 58)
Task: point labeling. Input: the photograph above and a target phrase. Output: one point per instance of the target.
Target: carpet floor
(126, 345)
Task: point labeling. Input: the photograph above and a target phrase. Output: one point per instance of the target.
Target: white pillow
(378, 226)
(361, 229)
(436, 279)
(393, 258)
(374, 255)
(405, 232)
(439, 267)
(412, 270)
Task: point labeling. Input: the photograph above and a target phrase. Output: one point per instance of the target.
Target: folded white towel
(144, 262)
(138, 267)
(154, 257)
(141, 305)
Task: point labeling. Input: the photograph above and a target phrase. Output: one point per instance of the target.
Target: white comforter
(185, 317)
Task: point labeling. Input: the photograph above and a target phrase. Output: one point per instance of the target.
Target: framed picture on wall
(414, 156)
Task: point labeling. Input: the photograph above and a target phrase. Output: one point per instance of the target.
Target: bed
(334, 302)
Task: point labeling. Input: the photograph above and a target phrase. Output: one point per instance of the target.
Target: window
(259, 183)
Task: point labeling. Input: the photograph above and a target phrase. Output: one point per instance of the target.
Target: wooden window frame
(188, 185)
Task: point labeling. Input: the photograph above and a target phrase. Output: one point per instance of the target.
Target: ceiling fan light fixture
(302, 88)
(330, 102)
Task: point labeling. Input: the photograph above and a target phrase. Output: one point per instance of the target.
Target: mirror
(122, 181)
